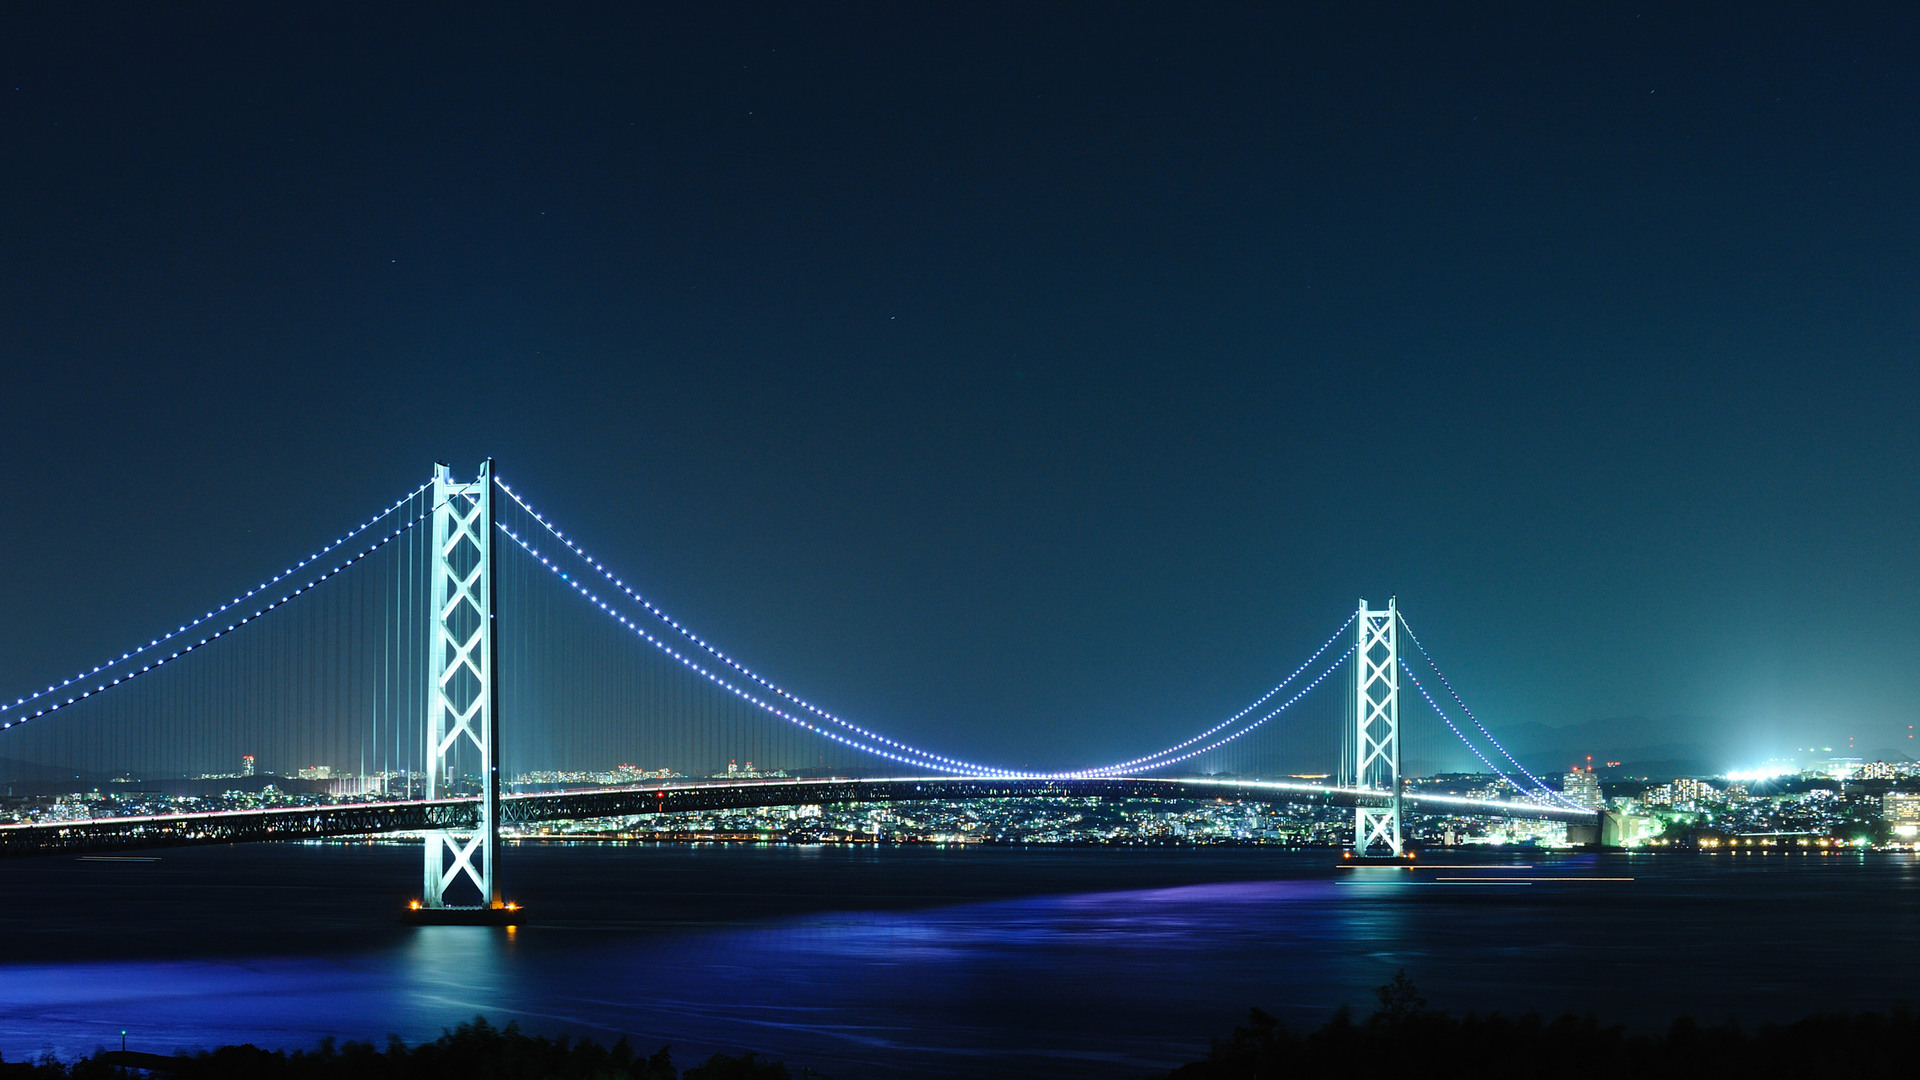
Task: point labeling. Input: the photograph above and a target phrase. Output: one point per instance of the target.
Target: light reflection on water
(918, 962)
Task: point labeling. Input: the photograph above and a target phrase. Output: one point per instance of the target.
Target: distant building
(1582, 787)
(316, 772)
(1688, 793)
(1901, 809)
(1685, 793)
(246, 764)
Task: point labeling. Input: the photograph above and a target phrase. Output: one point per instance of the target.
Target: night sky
(1041, 377)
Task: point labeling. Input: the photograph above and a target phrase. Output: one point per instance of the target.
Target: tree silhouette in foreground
(1404, 1037)
(473, 1051)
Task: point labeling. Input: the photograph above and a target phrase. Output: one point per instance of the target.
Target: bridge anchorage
(463, 698)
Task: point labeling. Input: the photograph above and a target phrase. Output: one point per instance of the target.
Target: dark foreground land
(1402, 1037)
(1405, 1038)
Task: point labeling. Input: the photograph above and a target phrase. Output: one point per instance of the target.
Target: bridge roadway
(408, 816)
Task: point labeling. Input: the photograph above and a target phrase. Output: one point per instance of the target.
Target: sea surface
(927, 962)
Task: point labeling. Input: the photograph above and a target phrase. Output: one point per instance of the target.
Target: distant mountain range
(27, 778)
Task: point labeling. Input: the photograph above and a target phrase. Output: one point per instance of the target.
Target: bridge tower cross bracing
(463, 717)
(1376, 687)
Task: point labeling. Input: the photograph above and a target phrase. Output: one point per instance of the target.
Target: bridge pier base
(418, 914)
(1348, 858)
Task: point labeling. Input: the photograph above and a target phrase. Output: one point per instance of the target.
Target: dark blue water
(925, 962)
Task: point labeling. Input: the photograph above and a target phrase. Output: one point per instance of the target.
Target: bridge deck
(356, 819)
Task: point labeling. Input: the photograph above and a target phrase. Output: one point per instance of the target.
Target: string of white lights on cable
(1138, 762)
(1304, 691)
(708, 648)
(228, 629)
(919, 759)
(215, 613)
(911, 756)
(1445, 719)
(1476, 720)
(1149, 761)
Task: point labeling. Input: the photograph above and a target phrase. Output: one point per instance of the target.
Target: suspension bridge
(390, 675)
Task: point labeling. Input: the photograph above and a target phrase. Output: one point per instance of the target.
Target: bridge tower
(463, 715)
(1376, 690)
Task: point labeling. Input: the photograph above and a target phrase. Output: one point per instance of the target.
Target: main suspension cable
(1284, 706)
(919, 759)
(228, 629)
(978, 770)
(1149, 761)
(1445, 719)
(1150, 758)
(215, 613)
(1455, 694)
